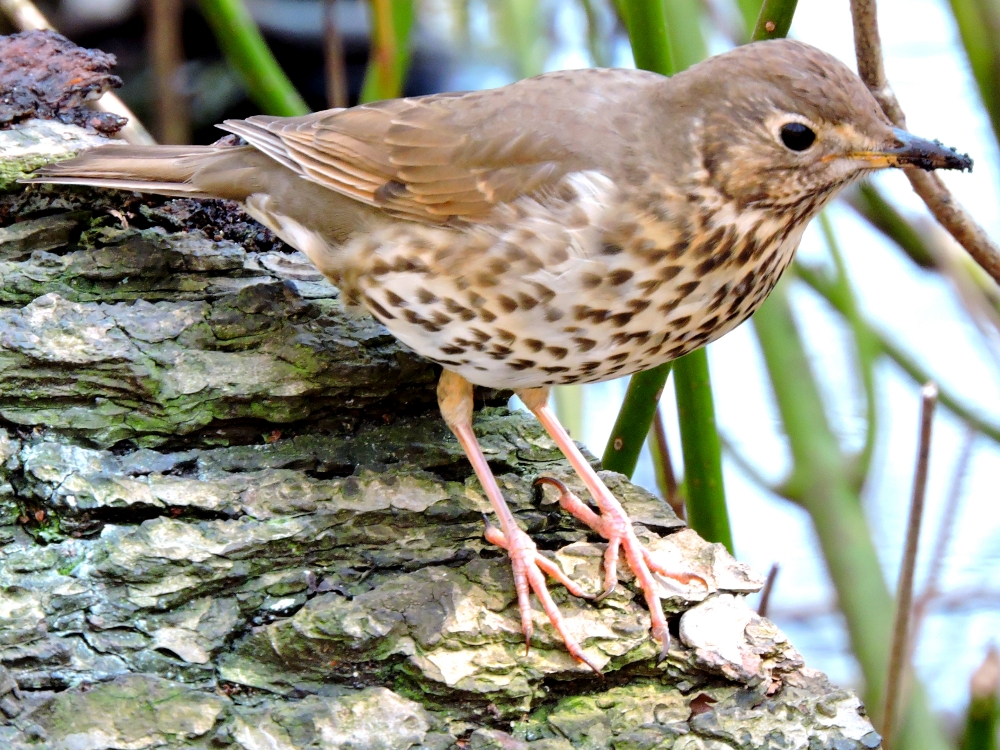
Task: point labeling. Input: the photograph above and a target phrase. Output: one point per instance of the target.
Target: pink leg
(613, 523)
(455, 400)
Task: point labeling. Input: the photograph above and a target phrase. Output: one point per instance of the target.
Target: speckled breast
(585, 286)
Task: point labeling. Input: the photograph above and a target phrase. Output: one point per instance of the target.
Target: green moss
(70, 566)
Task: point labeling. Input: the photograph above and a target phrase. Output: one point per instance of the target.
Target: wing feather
(452, 156)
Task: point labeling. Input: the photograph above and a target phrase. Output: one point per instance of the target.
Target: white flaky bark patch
(730, 638)
(33, 143)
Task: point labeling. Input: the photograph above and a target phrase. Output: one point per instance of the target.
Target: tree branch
(937, 197)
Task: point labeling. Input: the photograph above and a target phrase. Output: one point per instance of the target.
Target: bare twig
(765, 593)
(665, 468)
(333, 58)
(868, 48)
(166, 48)
(26, 17)
(904, 590)
(956, 220)
(945, 528)
(937, 197)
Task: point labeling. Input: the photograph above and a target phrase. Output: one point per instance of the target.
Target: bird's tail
(164, 170)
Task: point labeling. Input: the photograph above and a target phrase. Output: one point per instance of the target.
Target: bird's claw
(664, 648)
(557, 483)
(615, 526)
(530, 569)
(605, 594)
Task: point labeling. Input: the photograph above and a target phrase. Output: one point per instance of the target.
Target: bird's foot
(615, 526)
(530, 567)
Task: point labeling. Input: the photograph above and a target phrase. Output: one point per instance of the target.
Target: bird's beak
(910, 151)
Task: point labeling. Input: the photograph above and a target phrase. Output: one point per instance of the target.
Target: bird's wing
(446, 156)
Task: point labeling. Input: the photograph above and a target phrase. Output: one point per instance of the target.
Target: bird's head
(781, 124)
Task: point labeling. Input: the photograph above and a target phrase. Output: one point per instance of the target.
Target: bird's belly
(561, 304)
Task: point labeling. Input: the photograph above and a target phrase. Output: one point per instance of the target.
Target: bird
(573, 227)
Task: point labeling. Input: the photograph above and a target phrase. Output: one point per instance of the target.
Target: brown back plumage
(452, 155)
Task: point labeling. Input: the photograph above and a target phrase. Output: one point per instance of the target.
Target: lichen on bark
(231, 517)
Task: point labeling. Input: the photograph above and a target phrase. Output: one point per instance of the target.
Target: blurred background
(883, 299)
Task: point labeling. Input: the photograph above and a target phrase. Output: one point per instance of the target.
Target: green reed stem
(687, 43)
(982, 719)
(389, 59)
(774, 20)
(520, 27)
(979, 27)
(981, 724)
(568, 400)
(704, 493)
(868, 201)
(597, 45)
(866, 347)
(621, 454)
(248, 54)
(647, 30)
(818, 460)
(705, 497)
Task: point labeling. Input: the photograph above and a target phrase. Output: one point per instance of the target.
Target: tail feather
(164, 170)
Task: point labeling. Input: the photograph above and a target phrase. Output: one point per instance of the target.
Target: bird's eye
(796, 136)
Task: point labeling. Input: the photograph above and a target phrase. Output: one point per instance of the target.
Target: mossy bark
(231, 517)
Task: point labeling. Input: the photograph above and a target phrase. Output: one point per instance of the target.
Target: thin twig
(665, 468)
(930, 187)
(166, 48)
(765, 593)
(904, 590)
(868, 48)
(945, 529)
(956, 220)
(333, 58)
(26, 17)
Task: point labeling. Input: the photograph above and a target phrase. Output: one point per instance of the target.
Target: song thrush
(568, 228)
